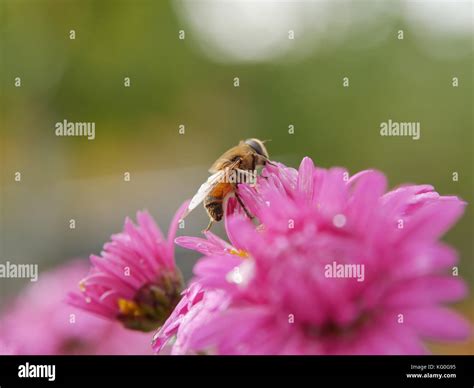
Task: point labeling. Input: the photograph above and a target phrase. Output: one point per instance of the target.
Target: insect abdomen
(214, 201)
(214, 207)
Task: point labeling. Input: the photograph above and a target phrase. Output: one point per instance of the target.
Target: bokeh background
(190, 82)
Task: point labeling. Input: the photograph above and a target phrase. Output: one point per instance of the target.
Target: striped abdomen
(215, 200)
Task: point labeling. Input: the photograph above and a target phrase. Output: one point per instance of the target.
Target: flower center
(239, 252)
(152, 304)
(332, 329)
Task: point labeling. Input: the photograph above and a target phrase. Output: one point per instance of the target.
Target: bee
(240, 161)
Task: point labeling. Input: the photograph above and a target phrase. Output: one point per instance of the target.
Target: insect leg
(211, 221)
(268, 161)
(243, 206)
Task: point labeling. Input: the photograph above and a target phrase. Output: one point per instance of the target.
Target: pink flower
(190, 297)
(190, 314)
(7, 350)
(336, 266)
(39, 322)
(196, 302)
(135, 280)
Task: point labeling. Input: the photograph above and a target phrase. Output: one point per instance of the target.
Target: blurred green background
(283, 82)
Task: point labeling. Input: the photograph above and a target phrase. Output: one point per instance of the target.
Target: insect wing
(203, 191)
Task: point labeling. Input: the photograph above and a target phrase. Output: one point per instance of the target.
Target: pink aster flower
(135, 280)
(7, 350)
(337, 265)
(39, 321)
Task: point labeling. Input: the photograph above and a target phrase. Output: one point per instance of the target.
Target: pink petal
(305, 179)
(172, 231)
(433, 219)
(426, 291)
(363, 203)
(437, 323)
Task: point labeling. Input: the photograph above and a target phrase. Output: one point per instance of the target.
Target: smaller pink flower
(7, 350)
(38, 321)
(135, 280)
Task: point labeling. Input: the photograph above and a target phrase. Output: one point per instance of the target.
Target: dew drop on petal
(234, 276)
(339, 220)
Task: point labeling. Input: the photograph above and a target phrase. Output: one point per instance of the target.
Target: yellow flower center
(129, 307)
(239, 252)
